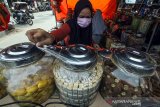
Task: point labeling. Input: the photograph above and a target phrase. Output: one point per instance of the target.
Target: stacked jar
(28, 73)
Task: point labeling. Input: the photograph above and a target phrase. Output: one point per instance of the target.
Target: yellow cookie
(42, 84)
(28, 94)
(21, 98)
(32, 89)
(29, 99)
(19, 92)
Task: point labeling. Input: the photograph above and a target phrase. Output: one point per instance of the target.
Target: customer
(78, 29)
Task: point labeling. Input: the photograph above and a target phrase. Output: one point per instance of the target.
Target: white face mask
(83, 22)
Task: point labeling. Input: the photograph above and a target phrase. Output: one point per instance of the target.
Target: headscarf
(80, 35)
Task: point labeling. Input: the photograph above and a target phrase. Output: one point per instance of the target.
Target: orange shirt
(3, 24)
(4, 19)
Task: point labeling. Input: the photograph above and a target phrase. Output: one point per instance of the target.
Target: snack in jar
(126, 74)
(136, 39)
(155, 82)
(3, 91)
(28, 73)
(77, 72)
(77, 88)
(155, 90)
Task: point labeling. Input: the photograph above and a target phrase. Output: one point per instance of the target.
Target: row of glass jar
(28, 74)
(33, 79)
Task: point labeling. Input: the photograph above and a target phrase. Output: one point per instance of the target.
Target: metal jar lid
(19, 55)
(134, 61)
(76, 57)
(80, 57)
(117, 45)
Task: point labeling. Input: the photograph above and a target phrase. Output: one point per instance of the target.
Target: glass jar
(3, 91)
(117, 45)
(155, 91)
(135, 23)
(77, 88)
(136, 40)
(126, 74)
(144, 26)
(116, 83)
(77, 73)
(28, 73)
(155, 83)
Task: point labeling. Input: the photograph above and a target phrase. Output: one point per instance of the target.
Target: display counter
(99, 102)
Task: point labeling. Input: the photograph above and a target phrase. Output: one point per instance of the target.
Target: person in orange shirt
(3, 24)
(4, 17)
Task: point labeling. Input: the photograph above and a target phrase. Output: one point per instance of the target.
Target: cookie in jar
(3, 91)
(125, 74)
(28, 73)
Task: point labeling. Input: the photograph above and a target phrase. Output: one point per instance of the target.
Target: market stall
(124, 68)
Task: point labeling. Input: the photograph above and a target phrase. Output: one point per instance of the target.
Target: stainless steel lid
(20, 55)
(139, 35)
(79, 57)
(134, 61)
(76, 57)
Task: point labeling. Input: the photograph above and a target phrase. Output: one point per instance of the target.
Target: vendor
(78, 30)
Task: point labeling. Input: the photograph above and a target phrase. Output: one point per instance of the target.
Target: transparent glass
(34, 82)
(3, 91)
(117, 83)
(77, 88)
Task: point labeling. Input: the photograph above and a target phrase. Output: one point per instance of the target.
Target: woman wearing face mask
(79, 28)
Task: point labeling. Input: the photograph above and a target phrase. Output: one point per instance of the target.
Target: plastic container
(28, 73)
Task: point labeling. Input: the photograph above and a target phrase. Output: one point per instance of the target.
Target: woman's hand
(40, 37)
